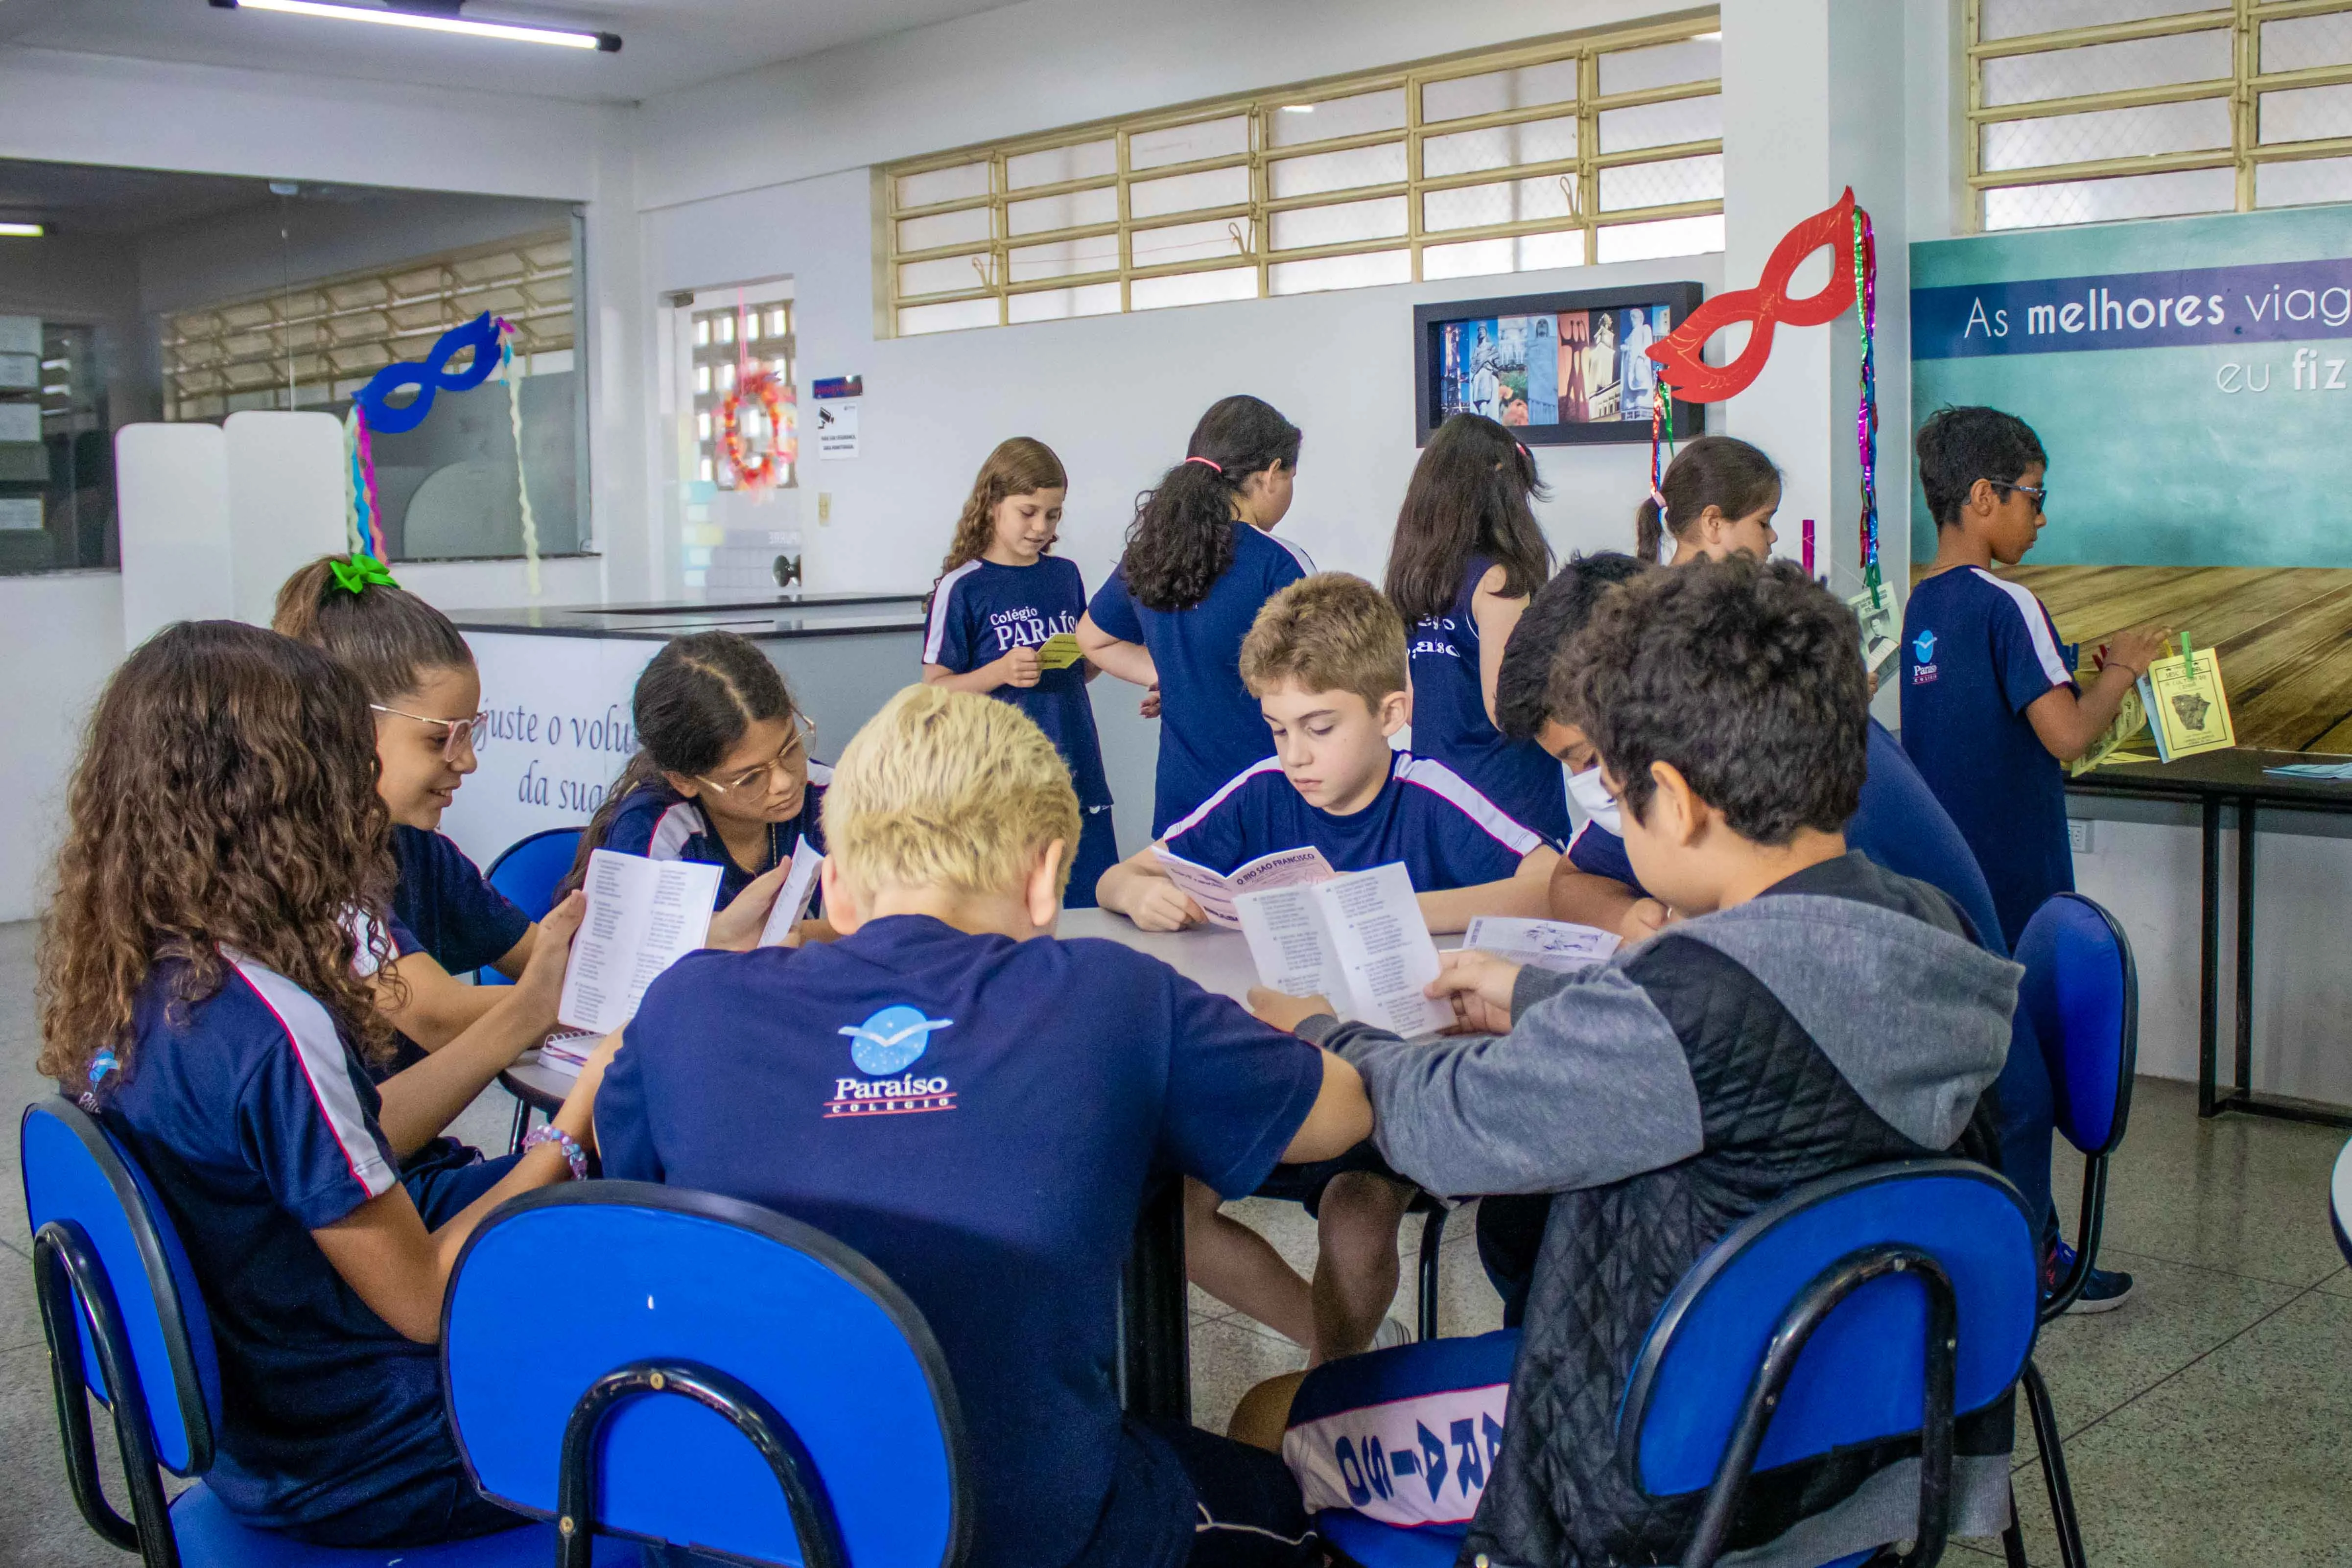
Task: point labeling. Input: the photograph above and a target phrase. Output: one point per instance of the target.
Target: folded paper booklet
(1559, 944)
(2130, 720)
(1879, 639)
(1358, 940)
(643, 916)
(1058, 652)
(2187, 708)
(793, 898)
(1215, 893)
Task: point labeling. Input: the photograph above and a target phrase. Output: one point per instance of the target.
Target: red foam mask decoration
(1766, 305)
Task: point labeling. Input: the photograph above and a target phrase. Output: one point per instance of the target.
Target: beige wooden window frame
(330, 336)
(2243, 89)
(1250, 221)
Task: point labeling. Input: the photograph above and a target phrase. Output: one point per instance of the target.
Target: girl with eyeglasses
(722, 774)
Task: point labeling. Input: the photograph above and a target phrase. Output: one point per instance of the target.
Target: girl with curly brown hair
(201, 991)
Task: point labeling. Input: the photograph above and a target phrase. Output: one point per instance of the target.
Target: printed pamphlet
(643, 916)
(1879, 639)
(1558, 944)
(1215, 893)
(2186, 708)
(1358, 940)
(1058, 652)
(793, 898)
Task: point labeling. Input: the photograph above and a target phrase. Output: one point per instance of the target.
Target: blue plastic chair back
(76, 1172)
(2339, 1202)
(2081, 991)
(526, 871)
(567, 1284)
(1862, 1375)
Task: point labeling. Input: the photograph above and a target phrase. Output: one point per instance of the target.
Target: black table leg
(1155, 1313)
(2209, 955)
(2245, 950)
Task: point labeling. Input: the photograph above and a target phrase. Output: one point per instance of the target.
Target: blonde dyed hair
(947, 788)
(1328, 632)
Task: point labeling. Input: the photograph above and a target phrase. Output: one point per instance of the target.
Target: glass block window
(733, 335)
(1588, 148)
(2091, 110)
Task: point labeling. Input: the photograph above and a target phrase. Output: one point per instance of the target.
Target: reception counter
(556, 684)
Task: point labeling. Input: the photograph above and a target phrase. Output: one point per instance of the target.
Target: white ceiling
(667, 43)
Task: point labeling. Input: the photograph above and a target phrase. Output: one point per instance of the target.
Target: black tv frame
(1680, 298)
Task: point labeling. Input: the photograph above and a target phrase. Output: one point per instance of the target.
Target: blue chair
(125, 1322)
(2081, 992)
(2339, 1202)
(689, 1370)
(526, 871)
(1872, 1304)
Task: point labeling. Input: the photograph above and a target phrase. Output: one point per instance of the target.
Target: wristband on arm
(574, 1154)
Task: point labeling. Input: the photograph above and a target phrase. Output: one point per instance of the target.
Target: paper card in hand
(793, 898)
(1359, 941)
(1058, 652)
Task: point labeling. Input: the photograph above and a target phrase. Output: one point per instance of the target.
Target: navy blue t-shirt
(1977, 652)
(657, 822)
(259, 1126)
(441, 905)
(1209, 726)
(1597, 850)
(1446, 833)
(981, 612)
(980, 1117)
(1450, 722)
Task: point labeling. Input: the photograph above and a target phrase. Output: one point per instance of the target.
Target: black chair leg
(2012, 1537)
(1433, 1236)
(2053, 1468)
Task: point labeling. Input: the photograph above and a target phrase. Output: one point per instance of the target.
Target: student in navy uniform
(1200, 558)
(1715, 500)
(1327, 662)
(199, 993)
(934, 1089)
(1992, 713)
(444, 919)
(1466, 557)
(723, 773)
(999, 597)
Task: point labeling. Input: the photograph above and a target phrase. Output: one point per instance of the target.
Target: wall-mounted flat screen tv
(1559, 369)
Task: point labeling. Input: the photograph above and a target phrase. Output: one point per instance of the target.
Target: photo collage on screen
(1575, 367)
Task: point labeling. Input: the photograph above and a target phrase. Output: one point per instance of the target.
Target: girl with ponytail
(1717, 500)
(1467, 557)
(1201, 559)
(1002, 597)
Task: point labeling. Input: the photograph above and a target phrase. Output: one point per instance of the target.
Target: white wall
(59, 637)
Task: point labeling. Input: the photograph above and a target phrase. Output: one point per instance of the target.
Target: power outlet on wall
(2078, 835)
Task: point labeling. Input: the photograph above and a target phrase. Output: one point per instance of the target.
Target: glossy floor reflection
(2208, 1421)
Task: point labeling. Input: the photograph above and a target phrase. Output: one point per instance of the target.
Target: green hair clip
(358, 573)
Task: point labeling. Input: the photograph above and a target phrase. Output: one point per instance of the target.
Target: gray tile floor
(2208, 1422)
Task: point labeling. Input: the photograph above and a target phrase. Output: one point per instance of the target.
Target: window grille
(1592, 148)
(2089, 111)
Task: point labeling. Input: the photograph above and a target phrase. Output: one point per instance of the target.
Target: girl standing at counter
(1000, 622)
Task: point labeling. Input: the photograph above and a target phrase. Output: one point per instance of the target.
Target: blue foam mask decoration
(430, 376)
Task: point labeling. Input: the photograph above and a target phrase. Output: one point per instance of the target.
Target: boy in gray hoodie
(1805, 1013)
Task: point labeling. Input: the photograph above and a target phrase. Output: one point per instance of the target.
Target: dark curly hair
(1181, 541)
(1468, 497)
(1958, 446)
(1744, 678)
(225, 797)
(1553, 617)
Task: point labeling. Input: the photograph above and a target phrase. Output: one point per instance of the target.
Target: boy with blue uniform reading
(1326, 660)
(1992, 713)
(1811, 1013)
(982, 1110)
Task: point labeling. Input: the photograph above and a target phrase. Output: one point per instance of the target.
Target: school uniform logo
(883, 1048)
(1923, 658)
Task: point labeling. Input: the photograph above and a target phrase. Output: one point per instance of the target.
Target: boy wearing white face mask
(1593, 884)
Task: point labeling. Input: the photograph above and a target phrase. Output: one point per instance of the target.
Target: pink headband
(1206, 463)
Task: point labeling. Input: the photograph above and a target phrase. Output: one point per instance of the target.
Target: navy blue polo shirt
(1596, 849)
(1209, 726)
(1427, 816)
(1450, 722)
(444, 906)
(259, 1126)
(981, 612)
(981, 1118)
(1977, 652)
(657, 822)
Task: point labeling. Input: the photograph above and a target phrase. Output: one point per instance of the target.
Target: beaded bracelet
(574, 1154)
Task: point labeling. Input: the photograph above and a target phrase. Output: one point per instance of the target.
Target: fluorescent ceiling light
(606, 42)
(1714, 38)
(21, 231)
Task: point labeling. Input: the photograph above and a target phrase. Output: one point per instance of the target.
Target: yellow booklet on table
(2187, 709)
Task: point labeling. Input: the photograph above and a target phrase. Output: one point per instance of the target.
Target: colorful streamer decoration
(522, 479)
(1865, 415)
(360, 513)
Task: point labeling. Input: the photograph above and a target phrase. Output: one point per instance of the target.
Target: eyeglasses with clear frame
(457, 734)
(794, 754)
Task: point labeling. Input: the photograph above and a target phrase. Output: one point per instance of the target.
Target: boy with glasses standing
(1992, 713)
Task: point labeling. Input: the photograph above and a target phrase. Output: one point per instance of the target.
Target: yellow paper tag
(1058, 652)
(2191, 709)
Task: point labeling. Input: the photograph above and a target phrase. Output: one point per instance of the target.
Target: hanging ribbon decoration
(1662, 454)
(1845, 228)
(361, 515)
(507, 330)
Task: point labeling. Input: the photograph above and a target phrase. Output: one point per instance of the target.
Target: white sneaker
(1391, 1334)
